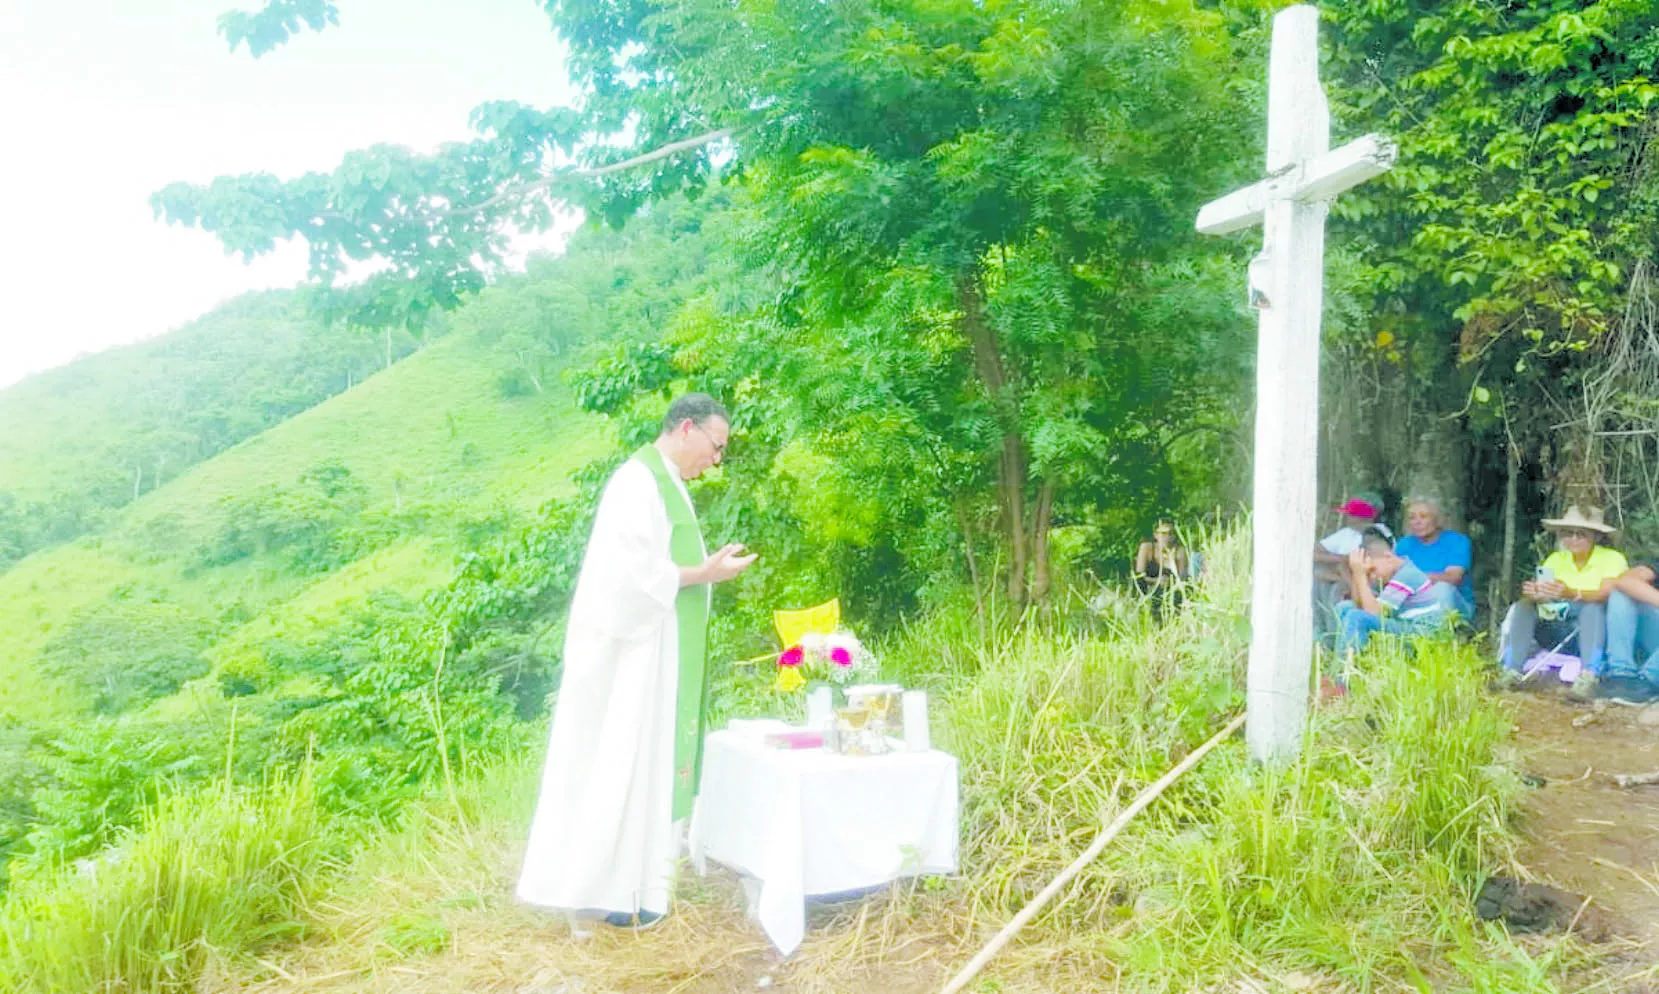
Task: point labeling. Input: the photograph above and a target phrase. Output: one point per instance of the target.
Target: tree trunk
(1011, 484)
(528, 363)
(1511, 487)
(1011, 467)
(1438, 463)
(1041, 581)
(973, 567)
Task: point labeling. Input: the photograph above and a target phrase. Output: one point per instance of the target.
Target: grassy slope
(433, 424)
(434, 421)
(246, 363)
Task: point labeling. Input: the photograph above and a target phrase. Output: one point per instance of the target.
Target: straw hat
(1578, 517)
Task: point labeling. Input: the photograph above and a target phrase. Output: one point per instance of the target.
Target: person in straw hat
(1569, 592)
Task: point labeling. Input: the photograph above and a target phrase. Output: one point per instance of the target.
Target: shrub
(126, 654)
(97, 779)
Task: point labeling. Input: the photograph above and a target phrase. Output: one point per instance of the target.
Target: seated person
(1163, 559)
(1330, 560)
(1445, 555)
(1391, 595)
(1161, 565)
(1569, 594)
(1631, 675)
(1330, 554)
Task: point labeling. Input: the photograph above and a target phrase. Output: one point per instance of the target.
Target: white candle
(915, 721)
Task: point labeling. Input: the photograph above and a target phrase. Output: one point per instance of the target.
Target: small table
(807, 822)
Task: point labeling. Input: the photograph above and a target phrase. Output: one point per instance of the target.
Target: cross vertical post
(1286, 286)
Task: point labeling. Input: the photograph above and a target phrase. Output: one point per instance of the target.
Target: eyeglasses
(719, 447)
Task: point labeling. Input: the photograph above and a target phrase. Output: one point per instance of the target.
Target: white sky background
(103, 102)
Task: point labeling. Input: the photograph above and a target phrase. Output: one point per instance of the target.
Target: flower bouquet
(835, 657)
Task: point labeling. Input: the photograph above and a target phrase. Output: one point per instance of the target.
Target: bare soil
(1584, 833)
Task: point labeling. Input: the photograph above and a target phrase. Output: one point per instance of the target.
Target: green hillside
(430, 446)
(87, 438)
(283, 507)
(274, 724)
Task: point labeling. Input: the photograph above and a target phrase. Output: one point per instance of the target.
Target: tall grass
(1353, 869)
(1357, 863)
(211, 873)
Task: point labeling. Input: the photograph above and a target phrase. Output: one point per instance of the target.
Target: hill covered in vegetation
(86, 439)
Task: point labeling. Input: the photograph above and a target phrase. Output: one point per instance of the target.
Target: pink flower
(792, 656)
(841, 657)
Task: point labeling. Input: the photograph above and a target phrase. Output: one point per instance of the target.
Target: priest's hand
(719, 567)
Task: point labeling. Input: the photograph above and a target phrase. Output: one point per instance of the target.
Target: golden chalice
(849, 730)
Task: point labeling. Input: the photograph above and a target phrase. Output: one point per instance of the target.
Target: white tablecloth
(807, 822)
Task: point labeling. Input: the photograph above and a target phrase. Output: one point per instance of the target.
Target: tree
(1501, 254)
(124, 655)
(1018, 171)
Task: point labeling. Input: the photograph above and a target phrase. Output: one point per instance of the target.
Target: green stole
(685, 547)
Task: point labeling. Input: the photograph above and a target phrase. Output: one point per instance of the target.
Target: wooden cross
(1286, 283)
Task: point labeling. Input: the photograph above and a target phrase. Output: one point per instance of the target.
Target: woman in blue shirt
(1445, 555)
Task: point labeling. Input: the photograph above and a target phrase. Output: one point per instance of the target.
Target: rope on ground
(1144, 798)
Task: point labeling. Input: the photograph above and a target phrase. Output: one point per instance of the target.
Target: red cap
(1358, 508)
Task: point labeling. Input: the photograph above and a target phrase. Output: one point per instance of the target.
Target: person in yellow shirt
(1570, 592)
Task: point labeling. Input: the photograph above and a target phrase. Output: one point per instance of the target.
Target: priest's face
(704, 445)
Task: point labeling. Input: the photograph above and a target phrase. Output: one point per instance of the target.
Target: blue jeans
(1358, 625)
(1451, 597)
(1527, 632)
(1632, 628)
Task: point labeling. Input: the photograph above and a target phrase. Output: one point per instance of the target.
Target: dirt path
(1584, 833)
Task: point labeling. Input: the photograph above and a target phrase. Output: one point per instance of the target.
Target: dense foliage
(1507, 258)
(971, 228)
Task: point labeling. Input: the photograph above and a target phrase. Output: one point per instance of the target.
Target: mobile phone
(1545, 573)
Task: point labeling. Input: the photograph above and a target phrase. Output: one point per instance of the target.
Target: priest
(626, 743)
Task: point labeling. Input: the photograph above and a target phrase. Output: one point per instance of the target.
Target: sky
(103, 102)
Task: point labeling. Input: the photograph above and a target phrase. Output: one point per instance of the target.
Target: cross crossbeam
(1305, 182)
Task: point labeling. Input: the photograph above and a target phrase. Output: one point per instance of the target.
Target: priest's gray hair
(699, 407)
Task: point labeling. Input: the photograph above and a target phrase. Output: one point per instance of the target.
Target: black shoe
(1627, 690)
(628, 919)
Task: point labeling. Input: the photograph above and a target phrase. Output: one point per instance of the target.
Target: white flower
(847, 641)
